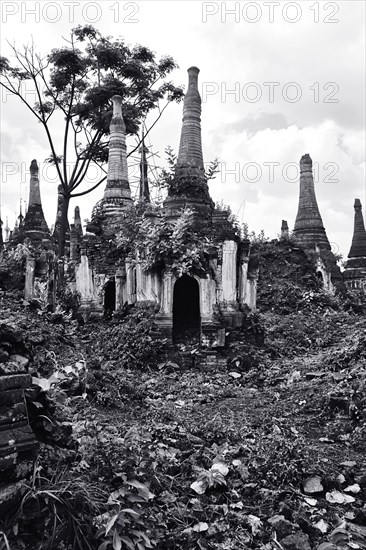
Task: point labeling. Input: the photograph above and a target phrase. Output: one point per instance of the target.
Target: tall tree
(78, 81)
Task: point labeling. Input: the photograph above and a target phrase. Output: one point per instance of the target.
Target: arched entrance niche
(109, 297)
(186, 311)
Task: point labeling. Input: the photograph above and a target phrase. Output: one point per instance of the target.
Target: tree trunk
(63, 226)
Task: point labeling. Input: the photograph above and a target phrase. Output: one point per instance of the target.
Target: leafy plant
(126, 528)
(214, 477)
(57, 512)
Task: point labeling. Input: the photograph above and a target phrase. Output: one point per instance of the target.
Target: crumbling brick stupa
(309, 230)
(107, 281)
(355, 268)
(207, 303)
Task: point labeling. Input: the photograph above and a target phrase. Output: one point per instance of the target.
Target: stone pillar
(205, 287)
(284, 229)
(121, 296)
(253, 294)
(130, 281)
(73, 242)
(77, 222)
(7, 230)
(140, 283)
(84, 279)
(154, 281)
(30, 268)
(166, 309)
(243, 274)
(229, 271)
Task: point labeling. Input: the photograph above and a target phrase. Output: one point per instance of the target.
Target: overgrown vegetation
(262, 451)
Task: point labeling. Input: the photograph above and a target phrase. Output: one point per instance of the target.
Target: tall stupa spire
(77, 221)
(144, 192)
(189, 188)
(309, 229)
(117, 179)
(190, 148)
(1, 233)
(7, 229)
(355, 268)
(35, 226)
(117, 193)
(358, 246)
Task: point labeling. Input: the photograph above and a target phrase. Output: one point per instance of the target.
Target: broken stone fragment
(282, 526)
(313, 485)
(19, 360)
(297, 541)
(15, 364)
(311, 375)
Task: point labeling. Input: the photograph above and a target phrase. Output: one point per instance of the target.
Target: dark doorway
(109, 297)
(186, 311)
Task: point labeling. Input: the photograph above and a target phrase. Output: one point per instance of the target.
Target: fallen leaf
(322, 526)
(311, 501)
(221, 467)
(255, 524)
(234, 374)
(199, 486)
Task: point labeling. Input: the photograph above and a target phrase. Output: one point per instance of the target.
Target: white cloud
(231, 55)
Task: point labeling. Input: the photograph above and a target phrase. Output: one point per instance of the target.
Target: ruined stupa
(355, 269)
(189, 187)
(35, 227)
(309, 230)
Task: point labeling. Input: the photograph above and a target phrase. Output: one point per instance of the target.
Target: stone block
(16, 381)
(9, 496)
(12, 413)
(17, 439)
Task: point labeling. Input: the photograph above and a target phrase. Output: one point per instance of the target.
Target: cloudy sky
(278, 79)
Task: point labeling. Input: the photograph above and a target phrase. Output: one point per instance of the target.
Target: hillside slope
(265, 450)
